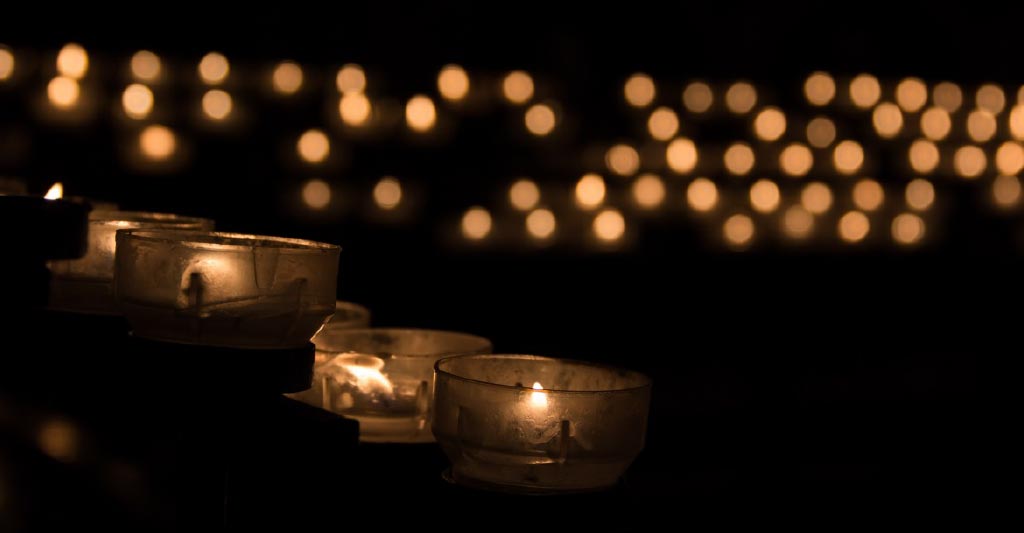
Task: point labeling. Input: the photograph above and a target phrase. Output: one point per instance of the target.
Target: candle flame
(56, 191)
(538, 398)
(364, 372)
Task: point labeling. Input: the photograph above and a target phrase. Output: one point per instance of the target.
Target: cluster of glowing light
(648, 191)
(541, 224)
(702, 195)
(314, 146)
(887, 120)
(1006, 191)
(868, 195)
(738, 159)
(540, 119)
(681, 155)
(214, 68)
(969, 161)
(907, 228)
(387, 194)
(796, 160)
(217, 104)
(948, 96)
(663, 124)
(911, 94)
(6, 63)
(865, 91)
(741, 97)
(145, 66)
(60, 440)
(738, 230)
(476, 223)
(1009, 158)
(72, 61)
(354, 108)
(770, 124)
(55, 192)
(1016, 121)
(854, 226)
(820, 88)
(816, 198)
(981, 125)
(698, 97)
(420, 114)
(316, 193)
(991, 98)
(935, 123)
(63, 92)
(923, 156)
(517, 87)
(797, 222)
(590, 191)
(453, 83)
(848, 157)
(821, 131)
(764, 196)
(524, 194)
(137, 100)
(157, 142)
(639, 90)
(609, 225)
(622, 159)
(920, 194)
(350, 79)
(287, 77)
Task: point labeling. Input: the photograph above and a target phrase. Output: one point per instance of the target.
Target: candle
(224, 289)
(523, 423)
(384, 377)
(86, 284)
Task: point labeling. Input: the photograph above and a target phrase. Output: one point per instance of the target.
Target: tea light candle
(524, 423)
(383, 378)
(224, 289)
(87, 284)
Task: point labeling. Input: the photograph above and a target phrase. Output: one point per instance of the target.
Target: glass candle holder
(347, 315)
(523, 423)
(224, 289)
(384, 377)
(87, 284)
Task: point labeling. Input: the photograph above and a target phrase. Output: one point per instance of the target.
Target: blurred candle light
(854, 226)
(453, 83)
(63, 92)
(6, 63)
(217, 104)
(157, 142)
(981, 125)
(1006, 191)
(741, 97)
(816, 198)
(821, 131)
(911, 94)
(648, 191)
(698, 97)
(924, 156)
(287, 78)
(354, 108)
(540, 224)
(55, 192)
(663, 124)
(420, 114)
(1009, 158)
(214, 68)
(887, 119)
(72, 61)
(796, 160)
(797, 222)
(316, 193)
(948, 96)
(476, 223)
(639, 90)
(738, 159)
(907, 229)
(590, 191)
(991, 98)
(770, 124)
(517, 87)
(1016, 122)
(702, 195)
(313, 146)
(738, 230)
(387, 194)
(681, 155)
(524, 194)
(920, 194)
(60, 440)
(350, 79)
(764, 196)
(622, 159)
(609, 225)
(848, 157)
(540, 119)
(819, 88)
(868, 195)
(137, 101)
(145, 66)
(865, 91)
(935, 123)
(969, 161)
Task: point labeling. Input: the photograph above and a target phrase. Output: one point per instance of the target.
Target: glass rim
(158, 220)
(217, 240)
(645, 380)
(484, 344)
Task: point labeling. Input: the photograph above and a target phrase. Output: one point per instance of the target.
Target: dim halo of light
(1016, 122)
(137, 101)
(981, 125)
(663, 124)
(969, 161)
(541, 224)
(920, 194)
(6, 63)
(146, 66)
(702, 195)
(868, 195)
(923, 156)
(350, 79)
(420, 113)
(848, 157)
(740, 97)
(816, 198)
(387, 194)
(738, 159)
(887, 120)
(214, 68)
(609, 225)
(72, 61)
(63, 92)
(948, 96)
(648, 191)
(796, 160)
(991, 98)
(911, 94)
(681, 155)
(354, 108)
(1006, 191)
(453, 83)
(157, 142)
(698, 97)
(517, 87)
(622, 159)
(540, 119)
(316, 193)
(935, 123)
(770, 124)
(217, 104)
(907, 229)
(313, 146)
(764, 196)
(797, 222)
(524, 194)
(476, 223)
(865, 91)
(738, 230)
(854, 226)
(819, 88)
(287, 78)
(1010, 158)
(821, 131)
(639, 90)
(590, 191)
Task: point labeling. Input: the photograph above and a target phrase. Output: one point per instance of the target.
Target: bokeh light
(524, 194)
(907, 228)
(609, 225)
(639, 90)
(1016, 122)
(663, 124)
(865, 91)
(770, 124)
(738, 230)
(816, 197)
(854, 226)
(145, 66)
(764, 196)
(387, 194)
(6, 63)
(350, 79)
(819, 88)
(517, 87)
(738, 159)
(287, 77)
(354, 108)
(796, 160)
(217, 104)
(935, 123)
(214, 68)
(948, 96)
(981, 125)
(868, 195)
(63, 92)
(60, 440)
(887, 120)
(137, 100)
(314, 146)
(741, 97)
(453, 83)
(797, 222)
(541, 224)
(316, 193)
(923, 156)
(698, 97)
(920, 194)
(821, 131)
(911, 94)
(1006, 191)
(420, 113)
(681, 155)
(1009, 158)
(157, 142)
(476, 223)
(969, 161)
(590, 191)
(72, 61)
(622, 159)
(991, 98)
(540, 119)
(648, 191)
(702, 195)
(848, 157)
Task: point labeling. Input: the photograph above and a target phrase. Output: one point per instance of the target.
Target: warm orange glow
(648, 191)
(1016, 122)
(797, 222)
(287, 77)
(59, 440)
(887, 119)
(137, 100)
(476, 223)
(865, 91)
(590, 191)
(639, 90)
(935, 123)
(524, 194)
(517, 87)
(796, 160)
(764, 196)
(907, 228)
(991, 98)
(453, 83)
(738, 159)
(157, 142)
(55, 192)
(350, 79)
(214, 68)
(981, 125)
(816, 198)
(868, 195)
(920, 194)
(821, 131)
(314, 146)
(541, 224)
(1009, 158)
(854, 226)
(1006, 191)
(948, 96)
(609, 225)
(969, 161)
(738, 230)
(6, 63)
(911, 94)
(681, 155)
(924, 156)
(63, 92)
(354, 108)
(538, 400)
(848, 157)
(622, 159)
(316, 194)
(702, 195)
(387, 194)
(217, 104)
(770, 124)
(820, 88)
(663, 124)
(420, 114)
(741, 97)
(698, 97)
(146, 66)
(540, 119)
(72, 61)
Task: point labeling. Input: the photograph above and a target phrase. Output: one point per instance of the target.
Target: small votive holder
(528, 424)
(86, 285)
(383, 378)
(224, 289)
